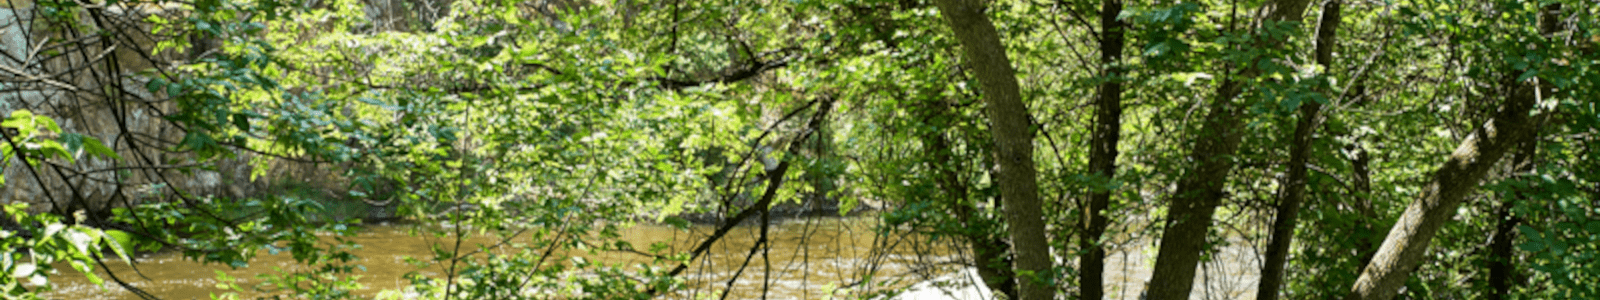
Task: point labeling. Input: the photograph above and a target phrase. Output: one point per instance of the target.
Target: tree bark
(1200, 190)
(1103, 154)
(1013, 142)
(1199, 193)
(1410, 237)
(1294, 192)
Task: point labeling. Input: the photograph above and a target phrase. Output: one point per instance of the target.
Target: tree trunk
(1013, 142)
(1360, 190)
(1199, 193)
(1103, 154)
(1408, 240)
(1361, 183)
(1502, 259)
(1501, 253)
(1288, 210)
(1200, 190)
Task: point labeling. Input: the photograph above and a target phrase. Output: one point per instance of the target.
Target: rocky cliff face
(90, 75)
(86, 78)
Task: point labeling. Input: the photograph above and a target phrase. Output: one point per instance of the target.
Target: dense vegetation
(1374, 149)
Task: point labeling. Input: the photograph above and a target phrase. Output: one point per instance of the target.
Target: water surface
(809, 257)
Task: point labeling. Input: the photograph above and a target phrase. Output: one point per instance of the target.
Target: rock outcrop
(85, 74)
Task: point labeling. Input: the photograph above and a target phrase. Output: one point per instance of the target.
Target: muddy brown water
(809, 258)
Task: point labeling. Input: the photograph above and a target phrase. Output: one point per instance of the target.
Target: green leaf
(241, 121)
(94, 146)
(72, 141)
(75, 142)
(847, 205)
(93, 278)
(1290, 103)
(53, 148)
(81, 239)
(1526, 75)
(1529, 232)
(119, 242)
(52, 229)
(1532, 246)
(23, 270)
(673, 207)
(18, 119)
(1319, 98)
(369, 100)
(154, 85)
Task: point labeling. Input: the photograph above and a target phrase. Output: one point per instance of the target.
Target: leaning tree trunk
(1103, 154)
(1408, 240)
(1200, 190)
(1294, 192)
(1019, 187)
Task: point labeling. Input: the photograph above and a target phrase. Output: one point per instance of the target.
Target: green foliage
(37, 138)
(1561, 238)
(39, 242)
(553, 127)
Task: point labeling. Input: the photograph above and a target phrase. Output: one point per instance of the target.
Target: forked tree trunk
(1103, 151)
(1200, 190)
(1294, 192)
(1008, 117)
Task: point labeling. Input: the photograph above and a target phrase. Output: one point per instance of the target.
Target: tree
(1294, 191)
(1458, 177)
(1103, 152)
(1402, 250)
(1013, 136)
(553, 126)
(1501, 256)
(1200, 190)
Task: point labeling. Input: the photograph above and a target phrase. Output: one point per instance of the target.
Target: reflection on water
(808, 259)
